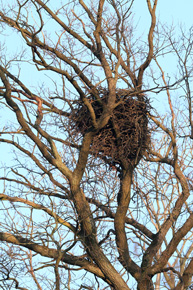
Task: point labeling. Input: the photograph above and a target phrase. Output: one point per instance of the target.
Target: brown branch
(119, 222)
(34, 42)
(43, 149)
(40, 207)
(130, 221)
(186, 277)
(150, 41)
(38, 163)
(16, 283)
(64, 26)
(51, 253)
(27, 93)
(160, 236)
(171, 247)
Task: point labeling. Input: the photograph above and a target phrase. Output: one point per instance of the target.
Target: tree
(98, 196)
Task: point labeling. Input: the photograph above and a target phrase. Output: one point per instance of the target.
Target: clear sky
(169, 11)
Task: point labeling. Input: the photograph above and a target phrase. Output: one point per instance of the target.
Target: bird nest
(126, 135)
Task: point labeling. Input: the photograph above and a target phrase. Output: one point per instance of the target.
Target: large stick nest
(126, 135)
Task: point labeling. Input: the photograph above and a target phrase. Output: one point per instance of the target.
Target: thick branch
(120, 217)
(171, 248)
(51, 253)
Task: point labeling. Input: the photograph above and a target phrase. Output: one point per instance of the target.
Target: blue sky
(169, 11)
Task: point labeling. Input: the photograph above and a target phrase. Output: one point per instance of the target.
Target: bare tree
(98, 195)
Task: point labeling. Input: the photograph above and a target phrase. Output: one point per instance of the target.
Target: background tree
(98, 196)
